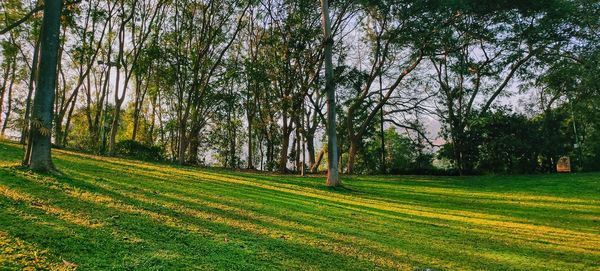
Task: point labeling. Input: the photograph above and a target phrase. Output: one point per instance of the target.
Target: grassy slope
(113, 213)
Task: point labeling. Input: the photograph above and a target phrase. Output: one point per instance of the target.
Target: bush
(137, 150)
(503, 142)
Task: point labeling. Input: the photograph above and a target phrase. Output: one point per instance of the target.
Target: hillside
(107, 213)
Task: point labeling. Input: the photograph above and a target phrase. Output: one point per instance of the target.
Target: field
(107, 213)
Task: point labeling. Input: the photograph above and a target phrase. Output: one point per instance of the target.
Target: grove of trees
(258, 84)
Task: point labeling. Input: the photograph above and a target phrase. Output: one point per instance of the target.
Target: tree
(481, 54)
(333, 178)
(184, 75)
(91, 34)
(397, 37)
(42, 115)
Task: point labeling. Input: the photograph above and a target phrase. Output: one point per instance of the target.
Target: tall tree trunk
(193, 150)
(65, 137)
(310, 146)
(152, 121)
(315, 166)
(250, 150)
(303, 165)
(194, 144)
(119, 100)
(262, 154)
(41, 158)
(298, 150)
(30, 88)
(7, 73)
(382, 128)
(352, 154)
(114, 128)
(182, 143)
(9, 98)
(9, 101)
(100, 118)
(136, 107)
(233, 151)
(283, 153)
(285, 145)
(294, 153)
(333, 178)
(270, 154)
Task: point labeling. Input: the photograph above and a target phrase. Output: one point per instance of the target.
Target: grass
(106, 213)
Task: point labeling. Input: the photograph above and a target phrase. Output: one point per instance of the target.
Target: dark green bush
(137, 150)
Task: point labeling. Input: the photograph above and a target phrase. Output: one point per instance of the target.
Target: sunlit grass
(17, 254)
(108, 213)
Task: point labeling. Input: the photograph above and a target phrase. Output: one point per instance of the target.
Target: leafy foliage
(137, 150)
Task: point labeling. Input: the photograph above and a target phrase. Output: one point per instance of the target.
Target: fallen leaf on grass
(70, 265)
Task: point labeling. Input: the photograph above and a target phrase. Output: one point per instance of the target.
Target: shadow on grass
(228, 244)
(151, 216)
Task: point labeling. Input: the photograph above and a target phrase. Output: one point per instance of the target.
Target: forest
(435, 87)
(299, 135)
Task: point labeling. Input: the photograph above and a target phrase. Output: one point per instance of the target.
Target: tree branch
(29, 15)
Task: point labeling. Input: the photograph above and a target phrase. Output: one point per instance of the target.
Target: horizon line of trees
(242, 83)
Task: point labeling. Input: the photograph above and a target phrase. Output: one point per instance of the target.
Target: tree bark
(9, 101)
(41, 158)
(68, 123)
(298, 150)
(333, 179)
(310, 147)
(136, 113)
(352, 155)
(250, 150)
(285, 145)
(30, 89)
(283, 153)
(182, 142)
(315, 166)
(7, 73)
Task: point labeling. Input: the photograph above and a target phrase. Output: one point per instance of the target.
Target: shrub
(137, 150)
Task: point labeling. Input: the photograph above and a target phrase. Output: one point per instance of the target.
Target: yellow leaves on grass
(71, 217)
(15, 254)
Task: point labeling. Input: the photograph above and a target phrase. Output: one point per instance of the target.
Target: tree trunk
(68, 124)
(119, 100)
(136, 108)
(382, 129)
(285, 144)
(194, 144)
(315, 166)
(114, 128)
(136, 124)
(283, 153)
(262, 154)
(152, 121)
(182, 144)
(303, 165)
(193, 150)
(41, 158)
(294, 153)
(250, 151)
(352, 155)
(7, 72)
(9, 101)
(31, 87)
(270, 154)
(233, 150)
(333, 179)
(298, 151)
(310, 146)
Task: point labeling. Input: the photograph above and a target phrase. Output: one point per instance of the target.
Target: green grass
(105, 213)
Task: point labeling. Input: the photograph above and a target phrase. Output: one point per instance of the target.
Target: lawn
(106, 213)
